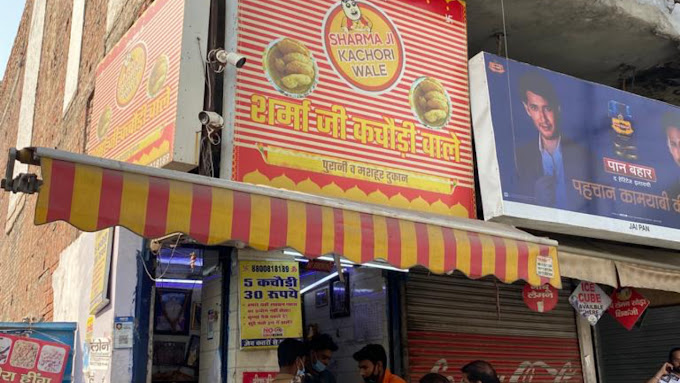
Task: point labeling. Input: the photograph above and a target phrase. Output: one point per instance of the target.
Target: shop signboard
(357, 100)
(259, 377)
(560, 154)
(99, 290)
(31, 360)
(590, 301)
(270, 308)
(150, 89)
(540, 299)
(627, 306)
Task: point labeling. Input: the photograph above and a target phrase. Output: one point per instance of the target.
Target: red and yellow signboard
(364, 100)
(135, 108)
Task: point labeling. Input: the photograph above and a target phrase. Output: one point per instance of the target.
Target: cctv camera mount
(210, 119)
(222, 58)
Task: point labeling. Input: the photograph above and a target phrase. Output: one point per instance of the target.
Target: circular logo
(130, 76)
(540, 299)
(158, 75)
(363, 46)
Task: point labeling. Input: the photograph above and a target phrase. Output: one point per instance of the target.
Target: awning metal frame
(28, 183)
(153, 202)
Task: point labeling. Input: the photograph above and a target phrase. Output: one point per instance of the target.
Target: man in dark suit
(547, 165)
(671, 126)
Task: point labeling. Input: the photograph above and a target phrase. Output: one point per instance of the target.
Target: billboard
(25, 359)
(356, 99)
(149, 89)
(556, 153)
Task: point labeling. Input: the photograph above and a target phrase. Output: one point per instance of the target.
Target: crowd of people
(301, 362)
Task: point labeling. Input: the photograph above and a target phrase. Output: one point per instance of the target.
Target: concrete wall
(74, 50)
(71, 283)
(28, 96)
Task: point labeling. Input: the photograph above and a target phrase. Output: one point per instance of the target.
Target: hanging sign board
(269, 303)
(627, 306)
(590, 301)
(540, 299)
(150, 89)
(31, 360)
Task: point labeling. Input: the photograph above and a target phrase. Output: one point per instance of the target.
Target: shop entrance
(354, 312)
(184, 327)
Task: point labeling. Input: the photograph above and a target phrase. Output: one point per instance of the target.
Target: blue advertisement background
(585, 120)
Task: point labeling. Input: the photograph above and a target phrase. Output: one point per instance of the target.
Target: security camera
(211, 119)
(223, 58)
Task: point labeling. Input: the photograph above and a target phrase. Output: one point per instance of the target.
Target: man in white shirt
(670, 371)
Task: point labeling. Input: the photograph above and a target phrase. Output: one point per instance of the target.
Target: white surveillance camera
(211, 119)
(229, 58)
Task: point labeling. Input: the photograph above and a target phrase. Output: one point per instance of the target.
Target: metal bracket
(23, 183)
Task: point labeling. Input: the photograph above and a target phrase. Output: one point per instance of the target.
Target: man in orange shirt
(372, 361)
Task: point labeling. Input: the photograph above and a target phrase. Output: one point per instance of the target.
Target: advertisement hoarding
(556, 153)
(149, 89)
(31, 360)
(356, 100)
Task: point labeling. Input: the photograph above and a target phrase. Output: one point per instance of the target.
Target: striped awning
(93, 194)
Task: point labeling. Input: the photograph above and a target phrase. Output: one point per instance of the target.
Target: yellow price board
(269, 298)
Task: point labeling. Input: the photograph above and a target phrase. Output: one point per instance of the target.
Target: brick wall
(29, 254)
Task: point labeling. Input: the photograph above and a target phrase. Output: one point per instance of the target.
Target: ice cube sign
(590, 301)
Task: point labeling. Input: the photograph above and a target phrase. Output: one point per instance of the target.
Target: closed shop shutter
(635, 356)
(452, 320)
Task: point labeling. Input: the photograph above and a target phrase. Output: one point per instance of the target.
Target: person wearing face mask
(372, 361)
(321, 349)
(292, 356)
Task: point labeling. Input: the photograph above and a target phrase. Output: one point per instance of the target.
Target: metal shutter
(452, 320)
(635, 356)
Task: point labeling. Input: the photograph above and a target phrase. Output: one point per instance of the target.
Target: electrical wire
(205, 72)
(507, 66)
(172, 255)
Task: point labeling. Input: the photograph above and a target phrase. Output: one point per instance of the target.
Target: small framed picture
(193, 352)
(172, 311)
(340, 296)
(196, 317)
(321, 298)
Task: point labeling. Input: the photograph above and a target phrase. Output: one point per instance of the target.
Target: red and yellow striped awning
(93, 194)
